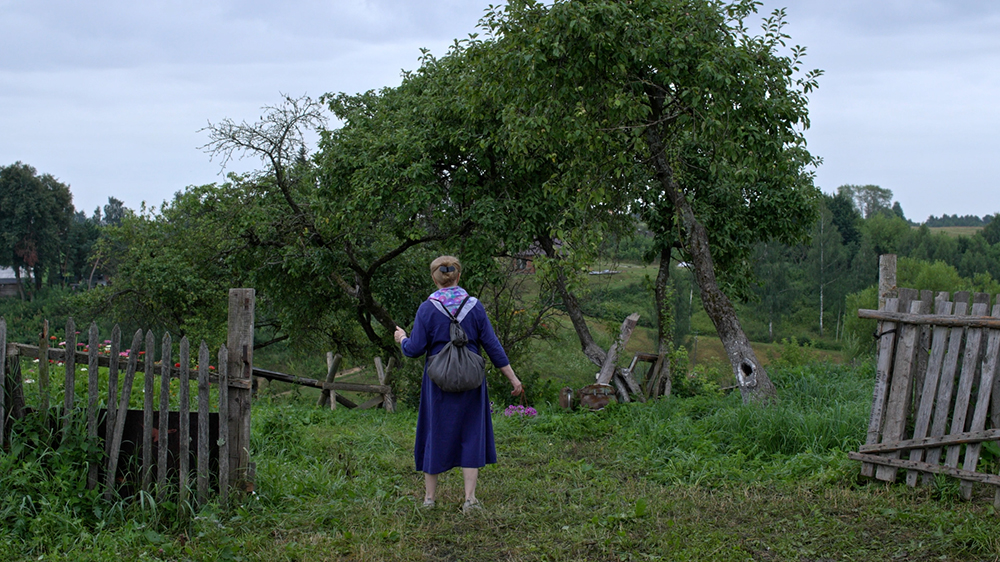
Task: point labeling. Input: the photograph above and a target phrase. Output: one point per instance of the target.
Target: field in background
(956, 231)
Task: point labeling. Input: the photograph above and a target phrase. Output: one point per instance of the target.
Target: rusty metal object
(566, 398)
(597, 396)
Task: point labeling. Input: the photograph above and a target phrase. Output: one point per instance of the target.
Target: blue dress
(453, 428)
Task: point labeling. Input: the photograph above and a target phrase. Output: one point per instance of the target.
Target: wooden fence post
(92, 397)
(242, 303)
(332, 366)
(147, 411)
(886, 279)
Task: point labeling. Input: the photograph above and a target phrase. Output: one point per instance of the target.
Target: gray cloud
(109, 96)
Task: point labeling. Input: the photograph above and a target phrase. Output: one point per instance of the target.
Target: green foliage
(36, 213)
(43, 479)
(793, 354)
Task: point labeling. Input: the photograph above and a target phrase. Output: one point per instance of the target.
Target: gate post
(242, 303)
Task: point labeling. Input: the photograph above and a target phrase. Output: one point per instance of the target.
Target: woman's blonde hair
(445, 270)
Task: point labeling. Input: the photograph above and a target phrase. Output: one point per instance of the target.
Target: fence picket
(897, 406)
(69, 395)
(116, 441)
(973, 339)
(887, 342)
(946, 383)
(3, 379)
(223, 425)
(184, 423)
(203, 419)
(163, 436)
(112, 418)
(44, 386)
(93, 391)
(930, 383)
(147, 414)
(989, 369)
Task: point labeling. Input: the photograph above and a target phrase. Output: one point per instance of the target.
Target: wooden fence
(218, 446)
(936, 399)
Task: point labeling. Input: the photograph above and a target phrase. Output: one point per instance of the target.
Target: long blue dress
(453, 428)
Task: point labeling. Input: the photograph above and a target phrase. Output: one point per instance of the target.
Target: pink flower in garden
(520, 411)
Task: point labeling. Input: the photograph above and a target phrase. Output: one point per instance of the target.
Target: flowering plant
(520, 411)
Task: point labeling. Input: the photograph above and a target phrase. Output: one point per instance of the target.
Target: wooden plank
(119, 429)
(242, 303)
(3, 380)
(925, 467)
(44, 386)
(886, 279)
(203, 419)
(69, 395)
(973, 321)
(163, 440)
(928, 392)
(184, 426)
(147, 415)
(223, 438)
(923, 348)
(332, 365)
(883, 369)
(93, 392)
(303, 381)
(946, 381)
(951, 439)
(608, 368)
(898, 404)
(963, 394)
(989, 369)
(112, 419)
(345, 402)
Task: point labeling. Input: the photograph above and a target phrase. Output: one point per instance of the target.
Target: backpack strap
(462, 311)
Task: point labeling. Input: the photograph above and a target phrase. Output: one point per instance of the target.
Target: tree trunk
(755, 386)
(20, 283)
(590, 349)
(660, 372)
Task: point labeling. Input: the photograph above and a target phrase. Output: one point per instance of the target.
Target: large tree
(676, 97)
(35, 216)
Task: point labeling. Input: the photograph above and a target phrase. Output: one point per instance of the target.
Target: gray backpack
(456, 368)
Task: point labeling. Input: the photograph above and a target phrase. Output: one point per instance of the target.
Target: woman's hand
(399, 335)
(509, 373)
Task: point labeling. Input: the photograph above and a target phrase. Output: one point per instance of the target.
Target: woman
(453, 428)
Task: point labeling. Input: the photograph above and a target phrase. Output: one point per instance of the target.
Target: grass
(699, 478)
(956, 231)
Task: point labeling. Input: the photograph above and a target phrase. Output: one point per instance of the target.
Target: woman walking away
(453, 428)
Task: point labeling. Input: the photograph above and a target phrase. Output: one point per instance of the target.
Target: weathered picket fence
(218, 446)
(936, 399)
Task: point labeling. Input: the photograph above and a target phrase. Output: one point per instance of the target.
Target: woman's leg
(430, 486)
(470, 475)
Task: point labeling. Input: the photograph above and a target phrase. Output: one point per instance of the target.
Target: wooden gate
(935, 400)
(214, 443)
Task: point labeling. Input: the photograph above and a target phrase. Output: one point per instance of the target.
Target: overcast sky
(109, 96)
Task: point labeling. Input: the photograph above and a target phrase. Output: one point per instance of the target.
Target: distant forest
(955, 220)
